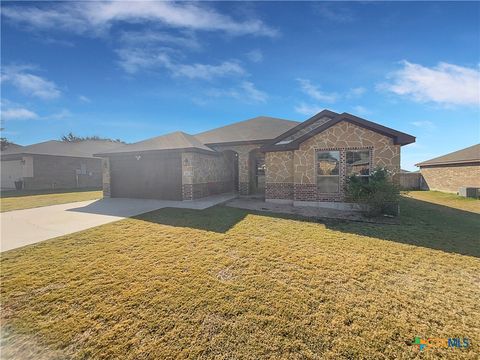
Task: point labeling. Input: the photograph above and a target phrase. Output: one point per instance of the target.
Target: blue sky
(141, 69)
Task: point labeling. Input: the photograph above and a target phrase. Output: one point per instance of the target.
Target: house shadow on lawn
(217, 219)
(422, 224)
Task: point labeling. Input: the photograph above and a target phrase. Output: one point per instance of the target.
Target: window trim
(339, 176)
(370, 160)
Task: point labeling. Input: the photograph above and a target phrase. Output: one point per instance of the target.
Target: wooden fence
(411, 181)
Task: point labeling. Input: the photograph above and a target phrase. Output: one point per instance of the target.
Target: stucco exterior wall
(59, 172)
(204, 175)
(342, 136)
(451, 178)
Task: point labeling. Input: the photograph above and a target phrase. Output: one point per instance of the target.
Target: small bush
(377, 192)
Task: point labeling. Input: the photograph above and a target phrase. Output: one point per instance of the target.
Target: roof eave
(187, 149)
(455, 162)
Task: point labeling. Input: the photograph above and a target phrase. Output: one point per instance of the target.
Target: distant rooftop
(62, 148)
(467, 155)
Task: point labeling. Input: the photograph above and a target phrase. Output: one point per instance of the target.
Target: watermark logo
(441, 343)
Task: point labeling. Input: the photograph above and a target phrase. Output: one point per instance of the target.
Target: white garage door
(11, 171)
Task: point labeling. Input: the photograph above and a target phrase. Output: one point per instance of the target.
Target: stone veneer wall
(301, 183)
(205, 174)
(279, 175)
(243, 152)
(451, 178)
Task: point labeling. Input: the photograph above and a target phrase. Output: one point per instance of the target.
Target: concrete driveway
(29, 226)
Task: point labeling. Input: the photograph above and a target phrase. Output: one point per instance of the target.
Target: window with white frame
(328, 171)
(358, 163)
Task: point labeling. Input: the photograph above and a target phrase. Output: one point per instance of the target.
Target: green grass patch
(230, 283)
(26, 199)
(447, 199)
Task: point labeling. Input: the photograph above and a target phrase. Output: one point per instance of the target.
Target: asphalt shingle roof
(172, 141)
(469, 154)
(62, 148)
(257, 128)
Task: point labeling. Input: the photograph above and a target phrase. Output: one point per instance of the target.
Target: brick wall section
(59, 172)
(279, 191)
(342, 137)
(451, 178)
(204, 175)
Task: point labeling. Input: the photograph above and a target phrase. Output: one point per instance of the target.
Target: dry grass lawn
(228, 283)
(31, 199)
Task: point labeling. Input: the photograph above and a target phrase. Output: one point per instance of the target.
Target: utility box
(471, 192)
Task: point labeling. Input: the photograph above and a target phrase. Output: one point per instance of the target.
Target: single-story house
(452, 171)
(284, 161)
(54, 164)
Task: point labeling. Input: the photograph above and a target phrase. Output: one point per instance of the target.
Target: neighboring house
(452, 171)
(284, 161)
(54, 164)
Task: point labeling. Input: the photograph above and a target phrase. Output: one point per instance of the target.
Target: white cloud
(134, 60)
(205, 71)
(251, 92)
(356, 92)
(18, 114)
(445, 84)
(97, 17)
(308, 109)
(84, 99)
(425, 124)
(246, 92)
(30, 84)
(255, 56)
(334, 12)
(134, 38)
(361, 110)
(315, 93)
(62, 114)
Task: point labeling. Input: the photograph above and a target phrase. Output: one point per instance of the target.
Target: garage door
(147, 176)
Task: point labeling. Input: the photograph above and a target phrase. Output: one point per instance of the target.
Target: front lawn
(26, 199)
(229, 283)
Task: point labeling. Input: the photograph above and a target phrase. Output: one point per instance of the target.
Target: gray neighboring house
(300, 163)
(452, 171)
(54, 164)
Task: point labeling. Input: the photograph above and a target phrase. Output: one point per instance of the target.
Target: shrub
(377, 192)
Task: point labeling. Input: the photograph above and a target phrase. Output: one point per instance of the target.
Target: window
(328, 178)
(358, 163)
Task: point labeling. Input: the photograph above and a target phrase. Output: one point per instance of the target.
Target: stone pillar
(187, 175)
(243, 173)
(106, 177)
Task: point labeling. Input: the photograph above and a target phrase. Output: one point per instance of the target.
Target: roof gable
(467, 155)
(324, 120)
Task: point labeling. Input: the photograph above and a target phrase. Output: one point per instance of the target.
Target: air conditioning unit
(471, 192)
